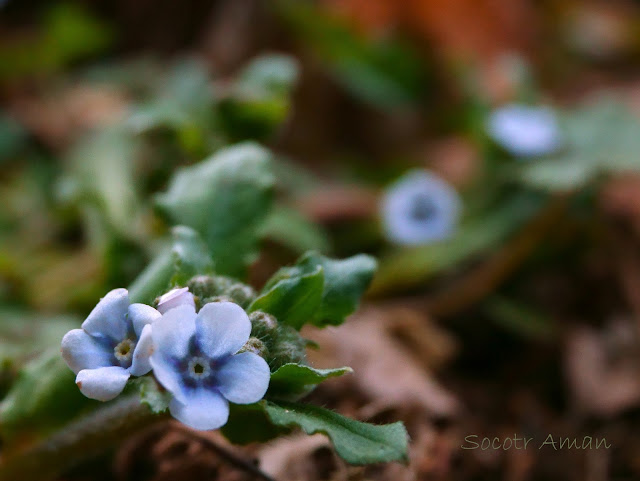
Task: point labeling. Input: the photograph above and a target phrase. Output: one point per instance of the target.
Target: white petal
(244, 378)
(109, 317)
(140, 315)
(140, 364)
(173, 331)
(175, 298)
(104, 383)
(204, 410)
(222, 328)
(81, 351)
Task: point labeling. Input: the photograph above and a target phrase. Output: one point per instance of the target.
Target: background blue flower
(419, 208)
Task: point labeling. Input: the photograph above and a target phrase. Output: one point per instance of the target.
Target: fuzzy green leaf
(185, 257)
(225, 198)
(44, 386)
(293, 301)
(345, 281)
(354, 441)
(293, 380)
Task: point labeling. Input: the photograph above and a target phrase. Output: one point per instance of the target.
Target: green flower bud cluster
(282, 343)
(219, 288)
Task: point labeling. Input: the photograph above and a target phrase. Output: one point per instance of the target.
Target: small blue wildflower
(114, 343)
(175, 298)
(419, 208)
(196, 359)
(525, 131)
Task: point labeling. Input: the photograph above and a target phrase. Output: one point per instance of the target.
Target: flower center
(198, 368)
(422, 209)
(124, 350)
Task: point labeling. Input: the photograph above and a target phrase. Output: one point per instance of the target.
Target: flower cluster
(197, 356)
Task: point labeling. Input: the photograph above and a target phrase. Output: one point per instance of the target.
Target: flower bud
(175, 298)
(263, 325)
(241, 294)
(255, 346)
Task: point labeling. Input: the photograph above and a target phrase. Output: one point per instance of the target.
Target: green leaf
(293, 301)
(354, 441)
(43, 397)
(186, 257)
(153, 395)
(23, 334)
(294, 380)
(249, 423)
(225, 198)
(561, 174)
(289, 228)
(268, 75)
(103, 165)
(382, 72)
(345, 281)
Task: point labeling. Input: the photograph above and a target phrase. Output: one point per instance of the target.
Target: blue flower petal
(173, 331)
(104, 383)
(167, 374)
(81, 351)
(222, 328)
(109, 317)
(140, 363)
(204, 409)
(244, 378)
(526, 131)
(140, 315)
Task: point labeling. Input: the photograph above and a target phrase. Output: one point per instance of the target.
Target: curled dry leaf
(386, 370)
(603, 368)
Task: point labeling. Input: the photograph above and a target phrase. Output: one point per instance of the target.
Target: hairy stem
(86, 437)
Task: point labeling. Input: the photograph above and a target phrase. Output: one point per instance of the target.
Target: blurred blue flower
(175, 298)
(525, 131)
(196, 359)
(114, 343)
(419, 208)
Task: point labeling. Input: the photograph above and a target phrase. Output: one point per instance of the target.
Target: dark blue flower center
(422, 208)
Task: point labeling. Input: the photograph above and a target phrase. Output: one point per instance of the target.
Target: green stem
(80, 440)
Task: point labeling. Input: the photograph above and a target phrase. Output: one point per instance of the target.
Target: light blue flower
(420, 208)
(196, 359)
(114, 343)
(525, 131)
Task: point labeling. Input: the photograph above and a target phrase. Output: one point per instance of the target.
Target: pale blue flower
(420, 208)
(114, 343)
(196, 359)
(525, 131)
(175, 298)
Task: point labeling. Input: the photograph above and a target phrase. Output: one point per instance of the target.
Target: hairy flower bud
(263, 325)
(241, 294)
(256, 346)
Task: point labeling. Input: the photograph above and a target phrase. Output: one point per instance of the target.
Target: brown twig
(230, 456)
